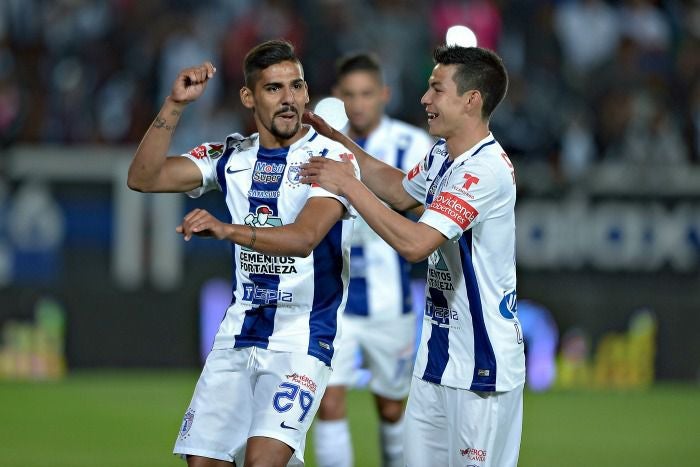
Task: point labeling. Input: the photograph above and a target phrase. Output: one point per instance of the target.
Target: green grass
(131, 419)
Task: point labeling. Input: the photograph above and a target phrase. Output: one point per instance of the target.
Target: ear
(247, 98)
(386, 94)
(306, 91)
(472, 100)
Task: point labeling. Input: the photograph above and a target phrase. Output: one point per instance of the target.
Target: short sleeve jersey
(471, 337)
(379, 277)
(279, 302)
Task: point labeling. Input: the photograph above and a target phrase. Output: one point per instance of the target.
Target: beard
(287, 133)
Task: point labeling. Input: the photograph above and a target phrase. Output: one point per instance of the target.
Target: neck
(465, 140)
(356, 133)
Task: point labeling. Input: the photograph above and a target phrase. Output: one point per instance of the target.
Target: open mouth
(287, 115)
(432, 116)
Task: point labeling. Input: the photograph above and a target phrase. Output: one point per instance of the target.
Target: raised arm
(300, 238)
(151, 170)
(384, 180)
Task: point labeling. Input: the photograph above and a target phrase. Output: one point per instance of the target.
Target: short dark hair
(479, 69)
(360, 61)
(266, 54)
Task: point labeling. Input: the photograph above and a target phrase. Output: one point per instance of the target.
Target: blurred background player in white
(378, 321)
(270, 362)
(465, 401)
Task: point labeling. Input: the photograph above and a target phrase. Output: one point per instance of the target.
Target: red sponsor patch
(347, 156)
(470, 180)
(200, 152)
(415, 171)
(455, 208)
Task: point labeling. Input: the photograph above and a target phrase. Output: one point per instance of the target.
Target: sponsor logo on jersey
(303, 380)
(268, 172)
(440, 316)
(509, 305)
(186, 423)
(438, 275)
(264, 194)
(440, 151)
(215, 150)
(257, 263)
(454, 208)
(469, 180)
(473, 454)
(200, 152)
(263, 217)
(260, 295)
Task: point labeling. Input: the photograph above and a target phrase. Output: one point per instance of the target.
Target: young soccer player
(465, 402)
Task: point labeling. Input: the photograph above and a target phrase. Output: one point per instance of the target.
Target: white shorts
(252, 392)
(457, 427)
(387, 348)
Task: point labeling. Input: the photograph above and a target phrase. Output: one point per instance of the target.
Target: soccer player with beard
(265, 376)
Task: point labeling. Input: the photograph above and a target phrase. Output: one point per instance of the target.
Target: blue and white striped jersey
(471, 337)
(280, 303)
(379, 277)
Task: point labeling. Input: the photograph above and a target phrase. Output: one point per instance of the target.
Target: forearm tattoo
(160, 122)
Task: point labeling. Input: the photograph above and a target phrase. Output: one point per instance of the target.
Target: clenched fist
(190, 83)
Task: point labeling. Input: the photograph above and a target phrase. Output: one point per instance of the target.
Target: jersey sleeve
(318, 191)
(205, 156)
(466, 199)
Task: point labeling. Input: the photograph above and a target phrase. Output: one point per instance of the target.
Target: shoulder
(236, 142)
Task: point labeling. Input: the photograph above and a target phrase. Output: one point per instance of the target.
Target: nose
(288, 96)
(425, 100)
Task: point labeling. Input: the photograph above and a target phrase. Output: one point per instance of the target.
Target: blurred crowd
(591, 80)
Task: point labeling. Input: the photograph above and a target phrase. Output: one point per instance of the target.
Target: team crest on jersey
(509, 305)
(294, 175)
(186, 423)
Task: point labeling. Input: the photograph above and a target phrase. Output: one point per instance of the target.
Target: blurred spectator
(80, 71)
(589, 32)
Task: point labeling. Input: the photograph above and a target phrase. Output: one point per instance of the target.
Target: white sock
(332, 443)
(391, 439)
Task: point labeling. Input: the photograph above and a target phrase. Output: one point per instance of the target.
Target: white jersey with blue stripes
(279, 303)
(471, 337)
(379, 277)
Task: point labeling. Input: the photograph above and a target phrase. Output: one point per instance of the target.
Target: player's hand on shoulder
(329, 174)
(191, 82)
(200, 223)
(320, 125)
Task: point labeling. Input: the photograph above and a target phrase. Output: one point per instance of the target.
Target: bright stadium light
(461, 36)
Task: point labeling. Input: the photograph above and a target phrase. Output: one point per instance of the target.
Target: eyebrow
(280, 84)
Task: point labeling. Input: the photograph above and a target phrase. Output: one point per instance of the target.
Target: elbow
(416, 252)
(415, 256)
(135, 184)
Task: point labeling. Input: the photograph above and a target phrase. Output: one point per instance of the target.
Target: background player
(378, 318)
(265, 376)
(465, 402)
